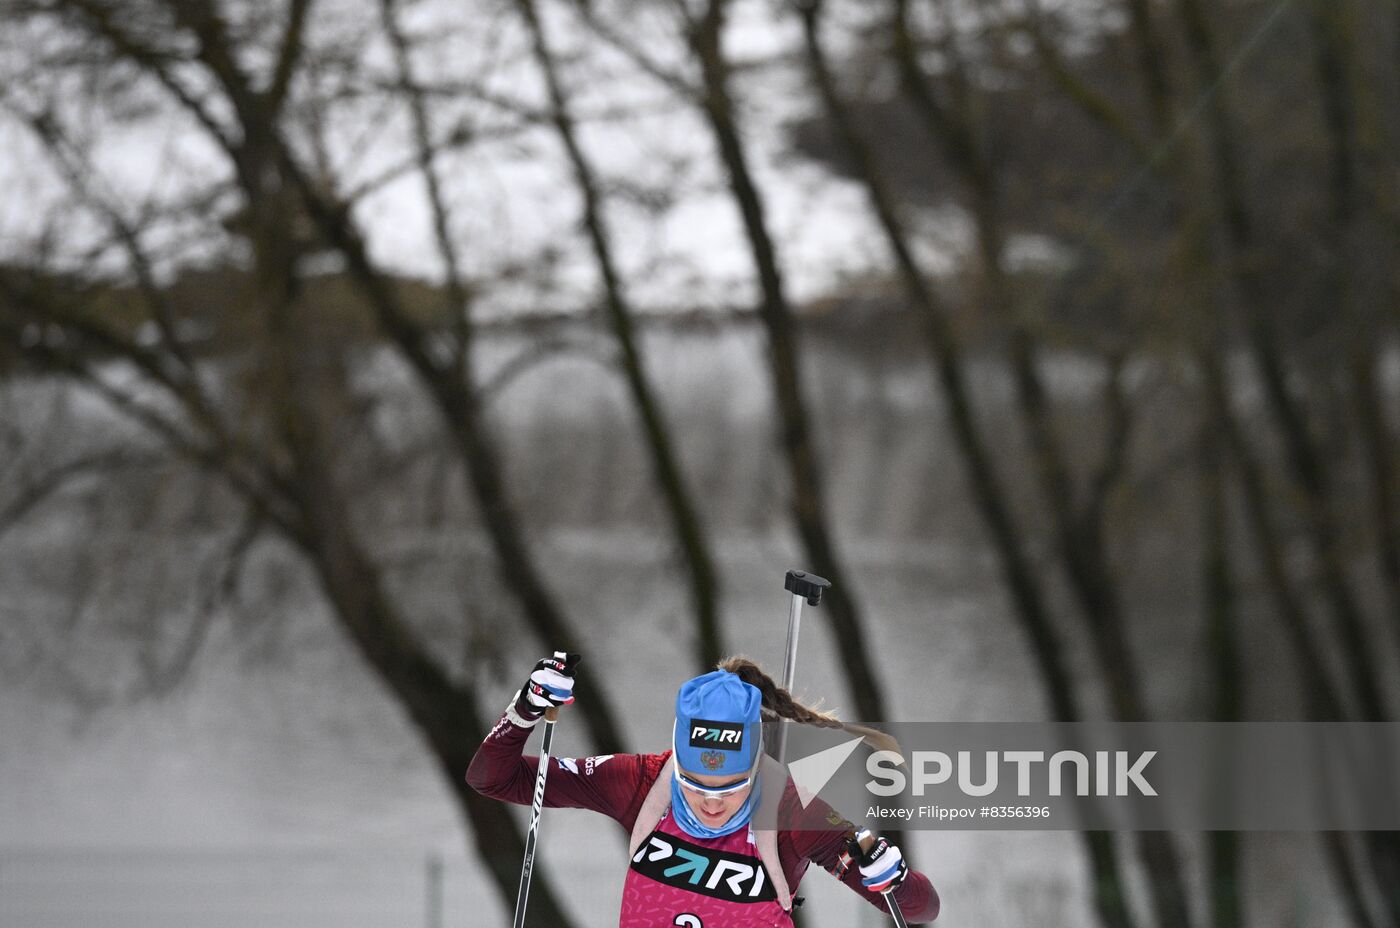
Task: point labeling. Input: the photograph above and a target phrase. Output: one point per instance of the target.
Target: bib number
(688, 921)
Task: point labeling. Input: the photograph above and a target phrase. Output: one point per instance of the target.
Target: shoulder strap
(653, 808)
(774, 777)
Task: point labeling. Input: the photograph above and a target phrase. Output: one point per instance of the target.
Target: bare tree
(1077, 513)
(686, 522)
(283, 463)
(1110, 897)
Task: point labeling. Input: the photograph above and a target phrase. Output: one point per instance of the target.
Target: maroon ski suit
(616, 785)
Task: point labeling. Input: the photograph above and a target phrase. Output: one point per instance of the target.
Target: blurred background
(354, 355)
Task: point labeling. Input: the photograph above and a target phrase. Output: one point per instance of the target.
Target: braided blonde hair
(778, 703)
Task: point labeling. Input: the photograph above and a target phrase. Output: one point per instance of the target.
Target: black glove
(551, 684)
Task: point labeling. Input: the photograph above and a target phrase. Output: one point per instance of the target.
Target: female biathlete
(701, 857)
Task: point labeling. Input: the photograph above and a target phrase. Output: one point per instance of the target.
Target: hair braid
(779, 702)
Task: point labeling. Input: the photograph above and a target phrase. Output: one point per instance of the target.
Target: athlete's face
(714, 811)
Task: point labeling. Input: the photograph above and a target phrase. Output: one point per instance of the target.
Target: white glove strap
(515, 718)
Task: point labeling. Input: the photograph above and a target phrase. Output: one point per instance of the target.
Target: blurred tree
(685, 514)
(1009, 161)
(1109, 895)
(1154, 188)
(704, 27)
(279, 453)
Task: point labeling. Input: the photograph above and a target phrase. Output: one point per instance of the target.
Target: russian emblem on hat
(711, 760)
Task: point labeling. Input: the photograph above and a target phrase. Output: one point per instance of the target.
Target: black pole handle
(809, 586)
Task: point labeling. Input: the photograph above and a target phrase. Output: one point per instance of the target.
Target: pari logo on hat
(727, 736)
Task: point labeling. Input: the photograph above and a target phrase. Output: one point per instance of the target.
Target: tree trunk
(1334, 56)
(1228, 669)
(446, 714)
(685, 515)
(804, 471)
(1081, 544)
(1320, 697)
(460, 406)
(1379, 451)
(988, 494)
(1307, 464)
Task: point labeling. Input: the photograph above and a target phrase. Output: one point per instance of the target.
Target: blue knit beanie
(718, 729)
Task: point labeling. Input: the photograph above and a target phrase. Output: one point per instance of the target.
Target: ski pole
(536, 805)
(802, 586)
(866, 840)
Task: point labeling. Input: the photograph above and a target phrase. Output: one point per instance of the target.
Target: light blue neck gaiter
(691, 825)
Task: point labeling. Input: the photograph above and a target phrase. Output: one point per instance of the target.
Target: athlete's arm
(607, 783)
(821, 839)
(611, 784)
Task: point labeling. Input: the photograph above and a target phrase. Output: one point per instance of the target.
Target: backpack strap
(654, 807)
(774, 777)
(767, 841)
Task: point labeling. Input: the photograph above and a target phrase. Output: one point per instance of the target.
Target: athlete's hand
(882, 867)
(551, 685)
